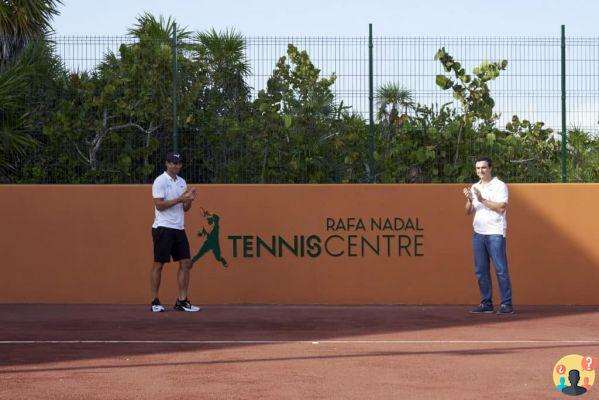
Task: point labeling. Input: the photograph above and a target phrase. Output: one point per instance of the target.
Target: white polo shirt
(487, 221)
(167, 188)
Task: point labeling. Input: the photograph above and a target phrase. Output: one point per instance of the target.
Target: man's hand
(187, 198)
(478, 195)
(468, 194)
(188, 195)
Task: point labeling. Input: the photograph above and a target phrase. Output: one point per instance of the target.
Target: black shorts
(169, 242)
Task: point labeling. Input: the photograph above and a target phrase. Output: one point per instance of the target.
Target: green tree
(22, 23)
(14, 139)
(28, 78)
(395, 97)
(439, 144)
(583, 151)
(298, 136)
(528, 152)
(472, 93)
(119, 116)
(215, 134)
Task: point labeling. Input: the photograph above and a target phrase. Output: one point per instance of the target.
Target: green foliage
(583, 163)
(472, 93)
(217, 109)
(297, 123)
(160, 30)
(28, 75)
(21, 24)
(439, 144)
(113, 121)
(114, 124)
(529, 150)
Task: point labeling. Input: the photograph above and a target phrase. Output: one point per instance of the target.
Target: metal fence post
(175, 133)
(370, 106)
(564, 131)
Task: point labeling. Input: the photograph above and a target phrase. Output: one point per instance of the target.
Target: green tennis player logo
(574, 374)
(210, 230)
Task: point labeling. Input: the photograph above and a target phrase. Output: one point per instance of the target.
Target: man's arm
(162, 204)
(469, 207)
(186, 197)
(497, 206)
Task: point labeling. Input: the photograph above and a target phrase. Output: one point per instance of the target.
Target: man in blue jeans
(487, 200)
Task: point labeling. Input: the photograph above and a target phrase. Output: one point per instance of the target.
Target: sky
(340, 17)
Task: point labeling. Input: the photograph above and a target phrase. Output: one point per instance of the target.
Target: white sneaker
(185, 305)
(156, 306)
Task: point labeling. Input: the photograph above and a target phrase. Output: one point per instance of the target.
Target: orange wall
(92, 244)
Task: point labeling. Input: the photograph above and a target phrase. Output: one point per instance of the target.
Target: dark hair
(487, 159)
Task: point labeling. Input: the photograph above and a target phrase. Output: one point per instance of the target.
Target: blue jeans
(487, 247)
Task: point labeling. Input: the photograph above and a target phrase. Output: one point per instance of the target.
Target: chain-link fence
(110, 116)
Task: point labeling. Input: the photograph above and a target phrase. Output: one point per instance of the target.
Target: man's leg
(162, 244)
(181, 253)
(183, 277)
(499, 256)
(183, 303)
(482, 269)
(155, 277)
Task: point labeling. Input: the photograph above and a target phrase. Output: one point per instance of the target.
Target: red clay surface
(289, 352)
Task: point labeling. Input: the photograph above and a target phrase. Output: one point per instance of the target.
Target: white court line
(590, 341)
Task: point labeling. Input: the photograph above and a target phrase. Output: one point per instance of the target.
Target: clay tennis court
(278, 352)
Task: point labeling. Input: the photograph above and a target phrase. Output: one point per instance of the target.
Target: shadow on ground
(270, 323)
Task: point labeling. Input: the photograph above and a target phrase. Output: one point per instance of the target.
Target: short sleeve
(158, 189)
(502, 194)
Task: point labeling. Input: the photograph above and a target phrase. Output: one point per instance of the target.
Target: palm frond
(148, 27)
(23, 22)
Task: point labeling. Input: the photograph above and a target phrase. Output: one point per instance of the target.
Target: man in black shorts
(171, 200)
